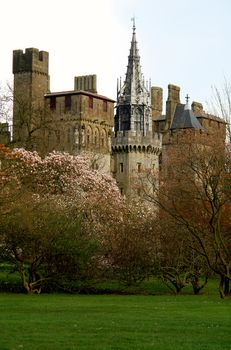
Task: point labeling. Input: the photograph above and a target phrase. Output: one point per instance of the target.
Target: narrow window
(139, 167)
(121, 167)
(104, 106)
(67, 103)
(96, 137)
(90, 102)
(68, 135)
(53, 103)
(160, 161)
(58, 135)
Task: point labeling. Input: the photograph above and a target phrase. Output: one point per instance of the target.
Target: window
(88, 137)
(90, 102)
(53, 103)
(68, 135)
(58, 135)
(67, 102)
(139, 167)
(121, 167)
(103, 138)
(104, 106)
(96, 137)
(160, 161)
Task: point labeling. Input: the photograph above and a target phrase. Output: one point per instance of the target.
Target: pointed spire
(134, 50)
(133, 84)
(134, 24)
(134, 92)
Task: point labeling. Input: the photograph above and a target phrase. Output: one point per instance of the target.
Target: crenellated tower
(31, 82)
(134, 146)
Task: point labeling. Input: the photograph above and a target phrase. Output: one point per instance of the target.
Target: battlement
(136, 139)
(32, 60)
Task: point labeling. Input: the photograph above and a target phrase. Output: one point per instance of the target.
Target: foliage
(220, 105)
(133, 245)
(57, 209)
(6, 104)
(179, 265)
(195, 191)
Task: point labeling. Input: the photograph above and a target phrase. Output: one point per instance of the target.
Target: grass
(110, 322)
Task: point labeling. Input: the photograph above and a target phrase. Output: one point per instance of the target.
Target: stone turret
(134, 148)
(30, 71)
(31, 82)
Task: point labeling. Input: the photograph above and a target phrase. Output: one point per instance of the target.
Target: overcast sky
(183, 42)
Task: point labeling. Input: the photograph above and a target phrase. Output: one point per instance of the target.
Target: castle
(135, 139)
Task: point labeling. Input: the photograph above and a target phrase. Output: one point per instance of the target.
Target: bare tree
(6, 104)
(220, 104)
(195, 191)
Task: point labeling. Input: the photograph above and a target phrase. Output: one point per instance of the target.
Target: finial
(134, 24)
(187, 102)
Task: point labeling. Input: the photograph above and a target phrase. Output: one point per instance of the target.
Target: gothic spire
(134, 85)
(134, 96)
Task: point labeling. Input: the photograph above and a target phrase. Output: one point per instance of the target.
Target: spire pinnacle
(134, 24)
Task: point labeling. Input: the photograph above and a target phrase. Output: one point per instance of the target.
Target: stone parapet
(32, 60)
(133, 141)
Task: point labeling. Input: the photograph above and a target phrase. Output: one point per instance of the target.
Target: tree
(195, 191)
(46, 246)
(220, 104)
(6, 104)
(52, 198)
(132, 245)
(179, 265)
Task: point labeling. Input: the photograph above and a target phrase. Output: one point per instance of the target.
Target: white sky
(183, 42)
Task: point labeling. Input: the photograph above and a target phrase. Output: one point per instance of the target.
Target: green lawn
(107, 322)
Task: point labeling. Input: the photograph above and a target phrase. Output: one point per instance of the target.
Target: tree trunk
(197, 287)
(224, 287)
(23, 278)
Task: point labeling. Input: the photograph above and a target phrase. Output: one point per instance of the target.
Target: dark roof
(184, 119)
(77, 92)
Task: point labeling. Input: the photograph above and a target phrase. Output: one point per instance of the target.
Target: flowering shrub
(44, 200)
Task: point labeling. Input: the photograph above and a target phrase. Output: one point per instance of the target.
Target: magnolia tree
(43, 201)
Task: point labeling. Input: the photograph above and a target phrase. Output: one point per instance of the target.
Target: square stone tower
(31, 82)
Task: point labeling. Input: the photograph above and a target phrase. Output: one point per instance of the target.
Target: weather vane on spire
(134, 23)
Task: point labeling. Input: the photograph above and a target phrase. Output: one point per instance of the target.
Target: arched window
(96, 136)
(103, 134)
(88, 135)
